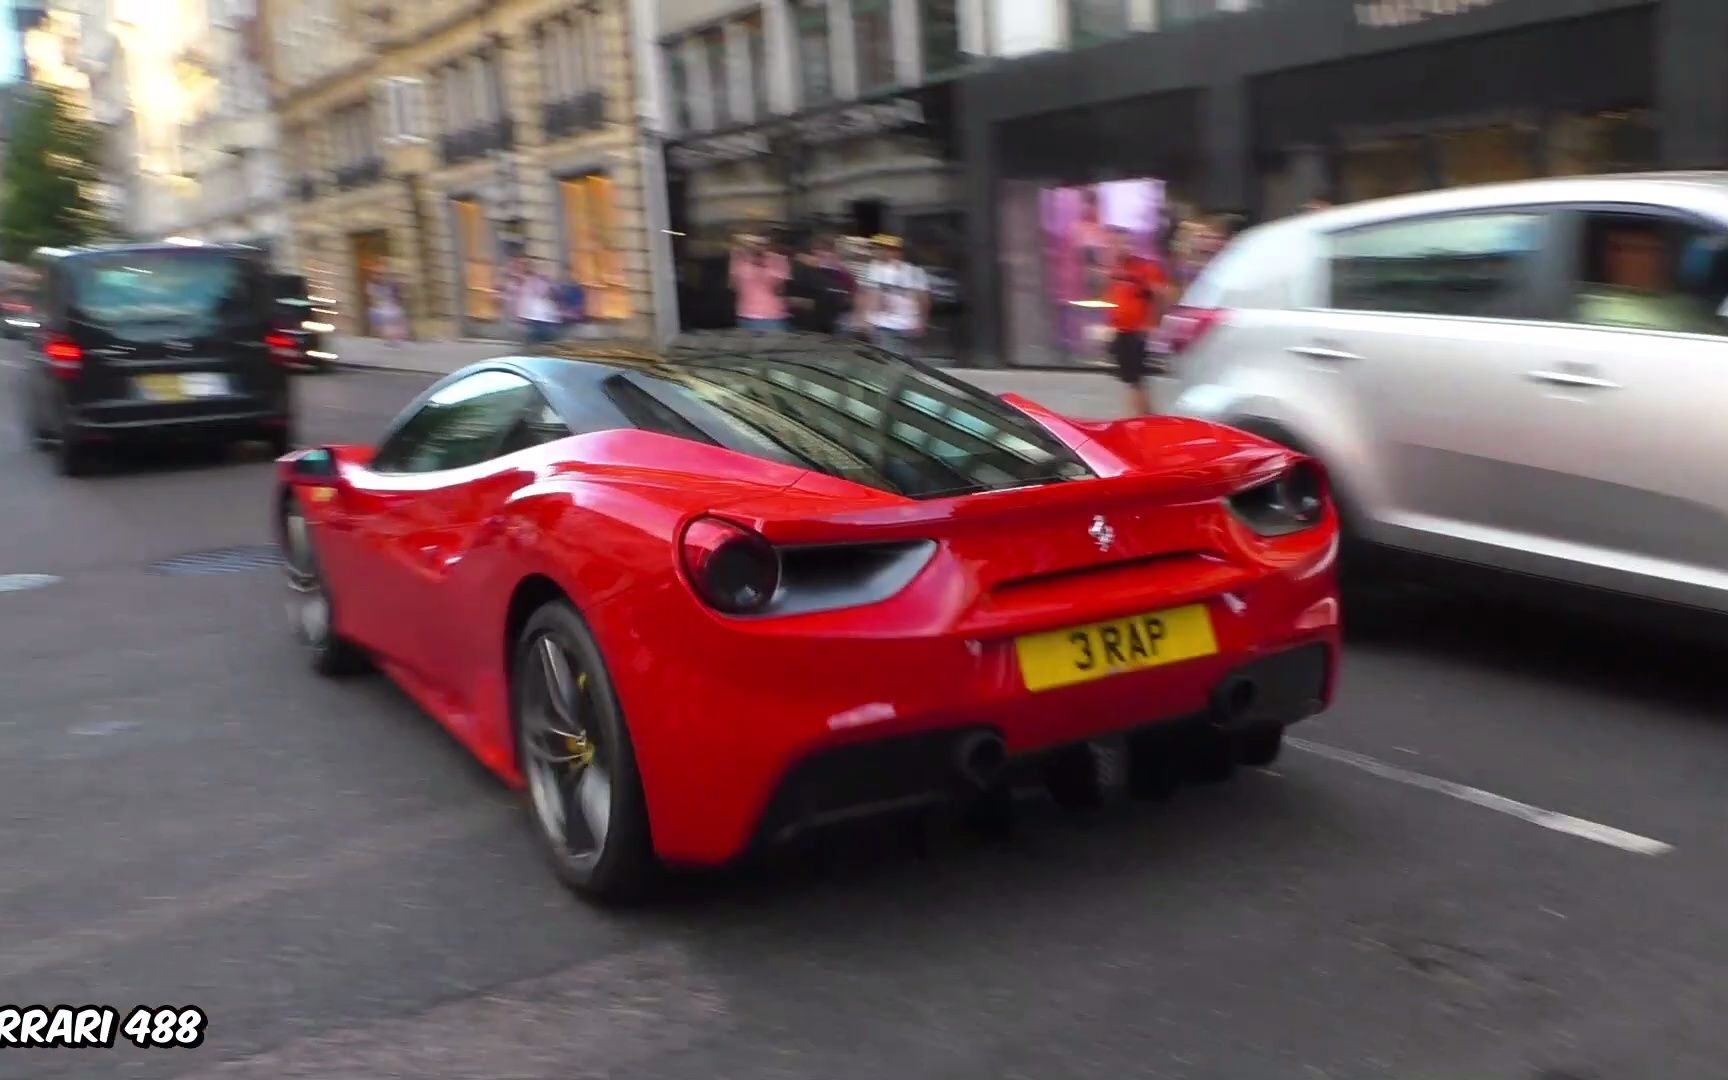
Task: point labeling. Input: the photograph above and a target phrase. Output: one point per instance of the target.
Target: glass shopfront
(1062, 243)
(844, 172)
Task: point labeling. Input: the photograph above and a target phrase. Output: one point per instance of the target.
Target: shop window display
(1486, 155)
(1069, 255)
(590, 253)
(474, 243)
(1374, 170)
(1619, 140)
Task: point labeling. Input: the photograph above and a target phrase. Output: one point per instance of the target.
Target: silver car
(1531, 376)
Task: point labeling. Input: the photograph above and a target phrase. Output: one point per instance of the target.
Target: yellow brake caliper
(579, 746)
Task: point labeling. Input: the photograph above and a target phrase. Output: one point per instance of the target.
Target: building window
(585, 28)
(449, 105)
(941, 26)
(1464, 265)
(590, 249)
(556, 80)
(473, 253)
(815, 63)
(678, 76)
(719, 88)
(492, 86)
(1092, 21)
(873, 35)
(757, 44)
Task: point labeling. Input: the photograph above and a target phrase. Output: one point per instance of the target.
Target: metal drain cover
(228, 560)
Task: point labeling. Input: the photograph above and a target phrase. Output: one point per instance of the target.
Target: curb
(350, 365)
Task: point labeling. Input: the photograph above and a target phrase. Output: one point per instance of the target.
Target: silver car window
(1461, 264)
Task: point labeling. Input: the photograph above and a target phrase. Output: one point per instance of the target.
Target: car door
(1624, 404)
(411, 502)
(1437, 311)
(471, 569)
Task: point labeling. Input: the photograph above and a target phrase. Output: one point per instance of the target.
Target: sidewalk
(1086, 394)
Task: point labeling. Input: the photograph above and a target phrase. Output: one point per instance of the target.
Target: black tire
(331, 655)
(1259, 749)
(1210, 758)
(279, 442)
(1075, 779)
(992, 812)
(1155, 763)
(72, 455)
(618, 866)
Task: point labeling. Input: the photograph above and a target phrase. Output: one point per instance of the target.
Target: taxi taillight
(65, 356)
(283, 348)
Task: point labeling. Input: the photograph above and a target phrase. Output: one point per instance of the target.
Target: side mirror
(316, 466)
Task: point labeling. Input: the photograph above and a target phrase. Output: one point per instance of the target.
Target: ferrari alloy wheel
(309, 610)
(577, 762)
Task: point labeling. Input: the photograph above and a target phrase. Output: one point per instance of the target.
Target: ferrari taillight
(1293, 501)
(732, 569)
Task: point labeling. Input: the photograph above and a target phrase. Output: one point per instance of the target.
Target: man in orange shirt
(1138, 290)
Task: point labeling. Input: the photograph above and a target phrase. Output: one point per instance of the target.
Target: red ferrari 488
(705, 600)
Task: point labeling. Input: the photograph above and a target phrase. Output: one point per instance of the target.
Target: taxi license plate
(181, 387)
(1082, 654)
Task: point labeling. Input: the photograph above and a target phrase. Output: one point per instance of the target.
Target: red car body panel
(423, 571)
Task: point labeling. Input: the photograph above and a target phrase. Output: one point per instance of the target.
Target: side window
(463, 424)
(539, 424)
(1465, 264)
(1644, 271)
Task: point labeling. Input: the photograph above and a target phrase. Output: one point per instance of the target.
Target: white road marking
(1535, 815)
(21, 582)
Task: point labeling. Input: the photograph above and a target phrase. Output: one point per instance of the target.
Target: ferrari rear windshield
(894, 429)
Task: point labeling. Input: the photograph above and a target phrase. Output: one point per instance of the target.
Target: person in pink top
(759, 282)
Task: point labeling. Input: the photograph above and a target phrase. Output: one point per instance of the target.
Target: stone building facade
(435, 139)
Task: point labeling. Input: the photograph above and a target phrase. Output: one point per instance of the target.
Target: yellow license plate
(1081, 654)
(162, 387)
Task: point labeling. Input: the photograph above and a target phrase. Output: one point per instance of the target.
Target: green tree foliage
(48, 177)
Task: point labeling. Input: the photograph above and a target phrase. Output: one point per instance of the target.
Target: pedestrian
(821, 289)
(572, 301)
(384, 300)
(759, 275)
(1197, 241)
(1139, 293)
(536, 306)
(894, 297)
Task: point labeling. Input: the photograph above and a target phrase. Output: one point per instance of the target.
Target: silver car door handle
(1567, 378)
(1315, 352)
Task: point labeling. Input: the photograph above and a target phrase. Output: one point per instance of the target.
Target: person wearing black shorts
(1135, 293)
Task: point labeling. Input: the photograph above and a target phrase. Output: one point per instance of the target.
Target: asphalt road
(188, 816)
